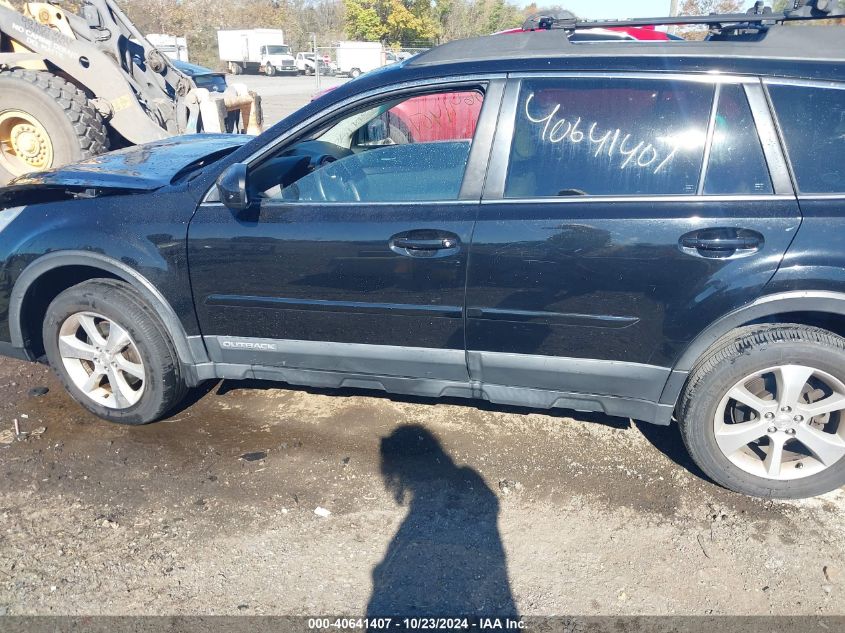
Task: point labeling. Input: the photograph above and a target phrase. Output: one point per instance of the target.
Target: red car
(648, 33)
(450, 117)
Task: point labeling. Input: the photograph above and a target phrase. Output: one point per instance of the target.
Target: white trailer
(354, 58)
(262, 50)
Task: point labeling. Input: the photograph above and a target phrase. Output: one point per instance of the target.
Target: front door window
(411, 149)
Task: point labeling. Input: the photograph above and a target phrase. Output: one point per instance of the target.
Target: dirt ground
(213, 512)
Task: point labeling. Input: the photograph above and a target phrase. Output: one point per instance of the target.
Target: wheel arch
(804, 307)
(75, 263)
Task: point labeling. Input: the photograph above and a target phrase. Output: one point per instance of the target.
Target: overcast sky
(615, 8)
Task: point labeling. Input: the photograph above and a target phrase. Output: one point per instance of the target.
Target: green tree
(403, 22)
(363, 21)
(705, 7)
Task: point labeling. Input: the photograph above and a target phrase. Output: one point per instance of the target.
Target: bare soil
(213, 512)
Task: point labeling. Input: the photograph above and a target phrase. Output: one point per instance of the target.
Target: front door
(353, 255)
(621, 217)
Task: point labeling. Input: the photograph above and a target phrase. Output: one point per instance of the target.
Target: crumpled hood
(140, 168)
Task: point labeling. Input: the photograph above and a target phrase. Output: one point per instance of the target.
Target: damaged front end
(138, 169)
(25, 195)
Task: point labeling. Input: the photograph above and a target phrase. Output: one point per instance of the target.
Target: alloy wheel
(783, 423)
(102, 360)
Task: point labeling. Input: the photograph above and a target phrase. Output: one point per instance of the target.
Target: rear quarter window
(812, 122)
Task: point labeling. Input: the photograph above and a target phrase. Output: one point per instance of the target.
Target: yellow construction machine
(76, 85)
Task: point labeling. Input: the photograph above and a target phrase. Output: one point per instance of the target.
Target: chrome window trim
(643, 198)
(715, 78)
(807, 83)
(374, 94)
(821, 196)
(767, 132)
(356, 203)
(708, 141)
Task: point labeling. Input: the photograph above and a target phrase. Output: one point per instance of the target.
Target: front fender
(139, 238)
(189, 349)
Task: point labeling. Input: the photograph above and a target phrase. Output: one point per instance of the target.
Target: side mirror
(231, 185)
(373, 134)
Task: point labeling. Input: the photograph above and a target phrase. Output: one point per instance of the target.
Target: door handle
(425, 243)
(721, 242)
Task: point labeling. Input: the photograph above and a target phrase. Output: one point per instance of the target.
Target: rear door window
(608, 136)
(736, 164)
(812, 121)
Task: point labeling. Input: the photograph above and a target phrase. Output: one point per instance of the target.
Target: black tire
(75, 128)
(270, 71)
(235, 69)
(354, 73)
(746, 351)
(164, 386)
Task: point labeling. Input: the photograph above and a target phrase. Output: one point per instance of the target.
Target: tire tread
(144, 319)
(727, 350)
(88, 126)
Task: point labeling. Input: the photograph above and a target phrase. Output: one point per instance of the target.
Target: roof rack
(759, 17)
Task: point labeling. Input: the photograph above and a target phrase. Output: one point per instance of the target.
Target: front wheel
(269, 70)
(354, 73)
(112, 354)
(763, 413)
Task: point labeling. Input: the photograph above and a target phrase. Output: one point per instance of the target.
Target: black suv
(649, 229)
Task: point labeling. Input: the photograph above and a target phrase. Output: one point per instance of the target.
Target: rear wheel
(45, 122)
(112, 353)
(764, 411)
(354, 73)
(235, 68)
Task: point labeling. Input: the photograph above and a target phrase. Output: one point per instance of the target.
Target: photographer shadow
(446, 558)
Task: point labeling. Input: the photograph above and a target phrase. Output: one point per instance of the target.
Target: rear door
(621, 215)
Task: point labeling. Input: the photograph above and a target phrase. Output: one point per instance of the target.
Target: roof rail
(758, 17)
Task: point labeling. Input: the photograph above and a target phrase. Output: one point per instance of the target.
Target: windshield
(278, 50)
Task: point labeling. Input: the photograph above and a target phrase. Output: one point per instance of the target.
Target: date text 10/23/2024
(418, 624)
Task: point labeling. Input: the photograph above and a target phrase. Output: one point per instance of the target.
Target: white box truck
(354, 58)
(256, 50)
(171, 45)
